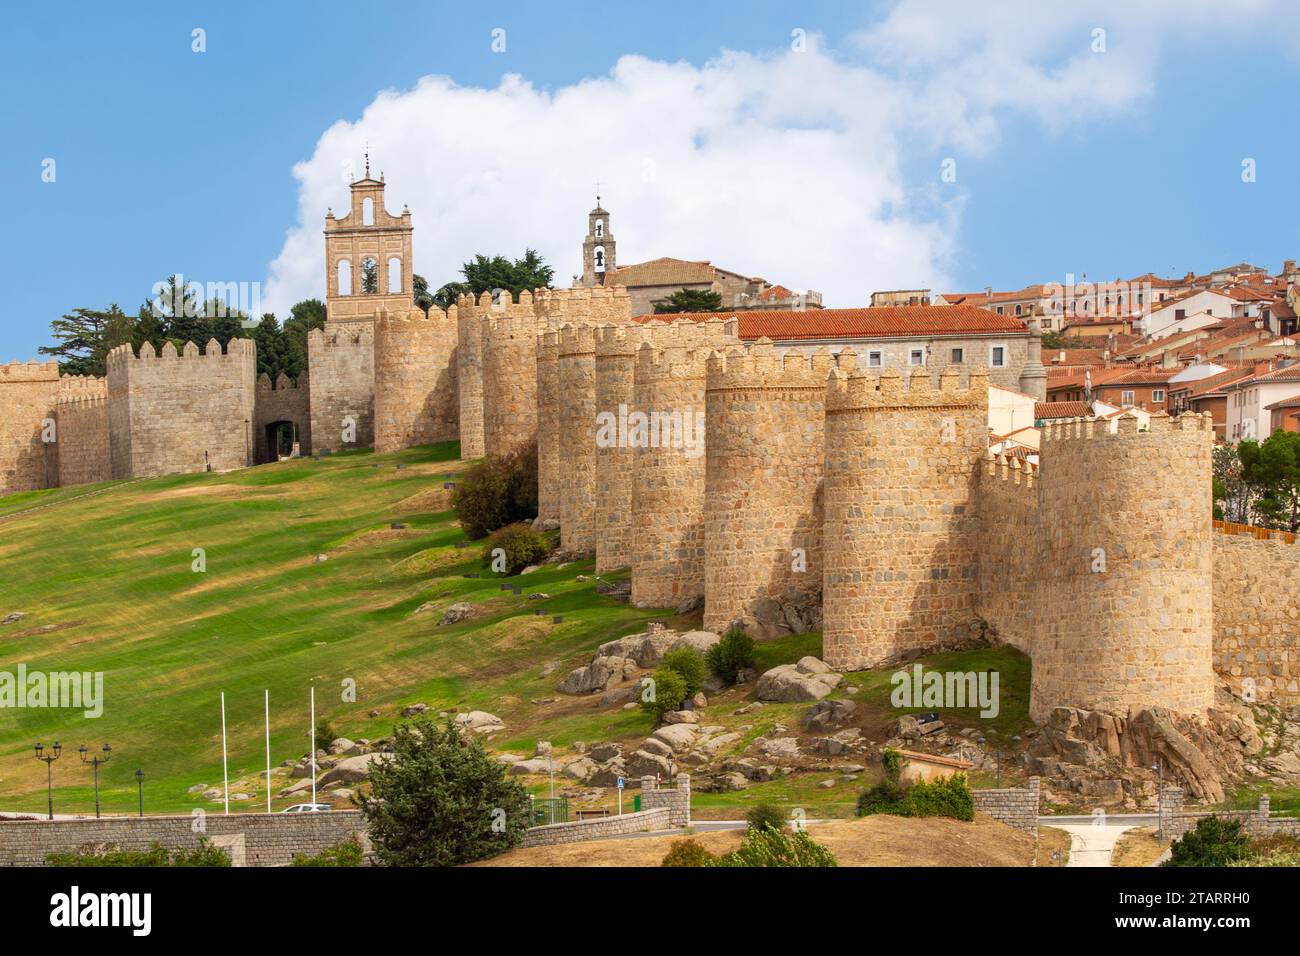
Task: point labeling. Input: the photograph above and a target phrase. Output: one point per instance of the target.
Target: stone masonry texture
(415, 379)
(28, 394)
(341, 360)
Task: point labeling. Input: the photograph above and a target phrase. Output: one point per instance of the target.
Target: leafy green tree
(689, 665)
(690, 300)
(669, 692)
(733, 653)
(446, 296)
(486, 275)
(441, 800)
(85, 337)
(420, 293)
(1231, 498)
(1272, 469)
(369, 277)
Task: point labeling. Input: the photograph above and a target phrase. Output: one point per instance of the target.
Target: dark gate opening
(281, 440)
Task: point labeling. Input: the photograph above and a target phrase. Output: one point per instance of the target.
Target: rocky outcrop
(648, 649)
(809, 679)
(598, 675)
(480, 722)
(793, 612)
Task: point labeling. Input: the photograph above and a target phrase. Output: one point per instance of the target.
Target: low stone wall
(1014, 806)
(251, 839)
(643, 821)
(676, 800)
(1175, 820)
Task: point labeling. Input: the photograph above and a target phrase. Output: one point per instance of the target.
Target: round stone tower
(900, 538)
(470, 316)
(509, 375)
(763, 469)
(616, 349)
(667, 428)
(415, 378)
(1125, 617)
(548, 426)
(576, 370)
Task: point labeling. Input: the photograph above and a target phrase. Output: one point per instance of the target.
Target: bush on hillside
(499, 490)
(771, 847)
(688, 663)
(325, 734)
(734, 652)
(665, 693)
(687, 853)
(346, 853)
(946, 797)
(520, 546)
(1214, 842)
(765, 815)
(441, 800)
(205, 854)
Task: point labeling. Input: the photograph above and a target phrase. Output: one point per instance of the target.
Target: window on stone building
(367, 212)
(874, 359)
(345, 277)
(997, 356)
(369, 276)
(916, 357)
(394, 274)
(958, 356)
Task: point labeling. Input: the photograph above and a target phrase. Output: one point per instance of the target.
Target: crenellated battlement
(577, 340)
(29, 372)
(282, 383)
(674, 362)
(237, 350)
(1125, 426)
(75, 388)
(1011, 471)
(860, 389)
(760, 367)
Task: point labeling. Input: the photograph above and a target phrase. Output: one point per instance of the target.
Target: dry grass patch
(868, 841)
(1137, 847)
(1053, 840)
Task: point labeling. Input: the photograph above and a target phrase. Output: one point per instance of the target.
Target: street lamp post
(139, 785)
(49, 771)
(94, 762)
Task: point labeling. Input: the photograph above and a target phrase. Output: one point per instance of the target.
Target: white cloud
(808, 169)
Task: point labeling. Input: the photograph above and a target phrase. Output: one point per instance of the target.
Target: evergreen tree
(690, 300)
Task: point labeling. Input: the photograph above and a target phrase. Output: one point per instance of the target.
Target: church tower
(597, 248)
(367, 256)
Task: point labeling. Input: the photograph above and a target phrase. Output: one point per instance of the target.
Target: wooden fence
(1262, 534)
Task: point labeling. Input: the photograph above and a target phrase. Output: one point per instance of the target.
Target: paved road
(1092, 845)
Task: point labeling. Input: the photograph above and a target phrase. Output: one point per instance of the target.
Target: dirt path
(1093, 845)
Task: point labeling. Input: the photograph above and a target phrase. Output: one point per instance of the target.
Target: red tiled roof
(904, 321)
(1292, 402)
(1061, 410)
(1290, 373)
(775, 292)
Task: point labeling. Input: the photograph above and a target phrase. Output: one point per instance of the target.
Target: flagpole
(268, 750)
(225, 767)
(313, 747)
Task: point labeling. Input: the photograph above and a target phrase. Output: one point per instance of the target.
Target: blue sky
(168, 160)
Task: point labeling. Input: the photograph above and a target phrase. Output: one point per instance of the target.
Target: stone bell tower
(597, 248)
(367, 256)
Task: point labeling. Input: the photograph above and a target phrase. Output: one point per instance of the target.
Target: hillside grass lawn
(103, 575)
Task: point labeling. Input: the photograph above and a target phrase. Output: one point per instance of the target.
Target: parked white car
(308, 808)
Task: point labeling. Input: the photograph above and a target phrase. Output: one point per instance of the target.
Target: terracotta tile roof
(1292, 402)
(1290, 373)
(1205, 387)
(1061, 410)
(663, 271)
(1140, 376)
(904, 321)
(775, 292)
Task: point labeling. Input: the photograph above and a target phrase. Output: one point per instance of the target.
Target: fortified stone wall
(548, 426)
(763, 470)
(901, 535)
(83, 446)
(341, 359)
(283, 401)
(616, 461)
(1256, 617)
(185, 413)
(1127, 567)
(509, 344)
(1009, 568)
(415, 378)
(28, 394)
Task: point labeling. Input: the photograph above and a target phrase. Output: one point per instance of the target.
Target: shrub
(770, 847)
(325, 734)
(669, 692)
(500, 490)
(441, 800)
(765, 815)
(1214, 842)
(522, 546)
(205, 854)
(946, 797)
(730, 655)
(687, 853)
(687, 662)
(346, 853)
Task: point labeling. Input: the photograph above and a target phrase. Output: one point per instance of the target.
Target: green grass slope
(106, 583)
